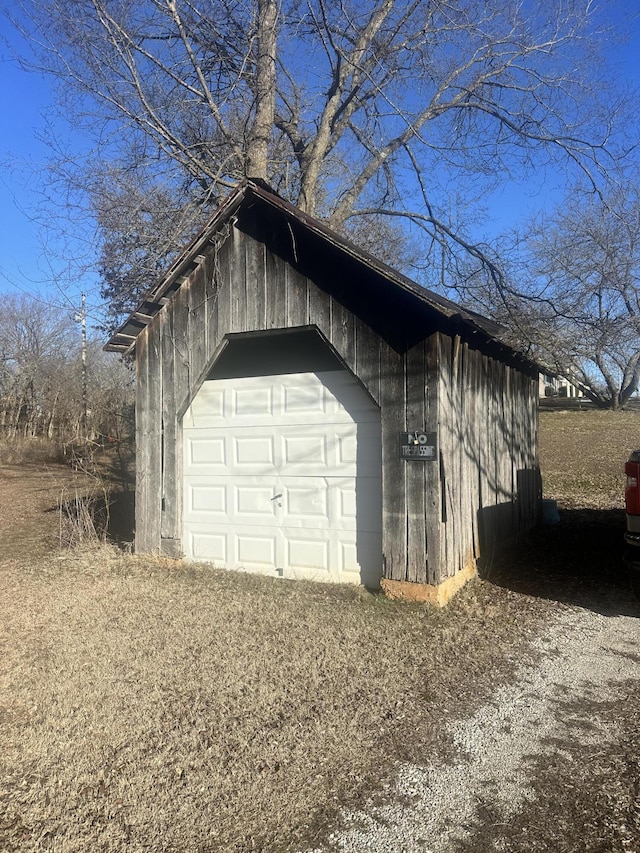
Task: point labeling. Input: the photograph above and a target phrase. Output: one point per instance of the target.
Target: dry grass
(155, 707)
(30, 499)
(151, 706)
(37, 450)
(582, 456)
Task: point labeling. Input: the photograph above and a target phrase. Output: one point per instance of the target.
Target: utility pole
(83, 321)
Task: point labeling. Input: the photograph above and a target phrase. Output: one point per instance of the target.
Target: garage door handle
(275, 497)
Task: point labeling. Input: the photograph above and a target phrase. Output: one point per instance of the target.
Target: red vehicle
(632, 507)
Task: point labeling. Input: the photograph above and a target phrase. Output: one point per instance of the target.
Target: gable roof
(310, 244)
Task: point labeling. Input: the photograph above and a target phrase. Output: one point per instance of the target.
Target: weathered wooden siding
(434, 514)
(488, 426)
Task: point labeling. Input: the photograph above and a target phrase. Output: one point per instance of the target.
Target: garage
(304, 411)
(282, 476)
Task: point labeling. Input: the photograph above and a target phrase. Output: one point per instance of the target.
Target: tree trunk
(265, 91)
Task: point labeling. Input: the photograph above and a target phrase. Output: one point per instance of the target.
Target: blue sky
(27, 264)
(25, 98)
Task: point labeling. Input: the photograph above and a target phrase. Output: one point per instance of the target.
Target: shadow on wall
(500, 525)
(368, 481)
(578, 561)
(95, 517)
(121, 517)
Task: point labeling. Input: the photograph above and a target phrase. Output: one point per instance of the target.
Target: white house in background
(557, 386)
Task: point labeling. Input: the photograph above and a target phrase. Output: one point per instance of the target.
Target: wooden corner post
(433, 498)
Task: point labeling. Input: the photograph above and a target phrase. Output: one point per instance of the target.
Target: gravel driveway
(541, 742)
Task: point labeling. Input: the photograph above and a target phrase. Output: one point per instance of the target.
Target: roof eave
(124, 342)
(189, 260)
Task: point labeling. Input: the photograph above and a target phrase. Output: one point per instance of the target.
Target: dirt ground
(29, 521)
(147, 706)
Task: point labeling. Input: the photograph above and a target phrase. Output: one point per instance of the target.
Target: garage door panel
(327, 503)
(207, 408)
(347, 400)
(208, 544)
(342, 448)
(253, 503)
(254, 452)
(360, 448)
(290, 552)
(305, 500)
(369, 504)
(348, 556)
(304, 551)
(337, 450)
(206, 499)
(279, 479)
(346, 500)
(313, 451)
(306, 400)
(291, 398)
(347, 449)
(252, 401)
(304, 449)
(205, 450)
(229, 547)
(256, 550)
(216, 451)
(251, 404)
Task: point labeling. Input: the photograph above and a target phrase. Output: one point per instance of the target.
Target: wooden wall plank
(142, 541)
(153, 440)
(461, 466)
(416, 472)
(471, 452)
(343, 333)
(367, 367)
(198, 322)
(320, 310)
(492, 442)
(393, 422)
(212, 283)
(256, 285)
(276, 290)
(485, 455)
(447, 459)
(504, 462)
(512, 460)
(433, 483)
(182, 359)
(221, 322)
(296, 298)
(466, 463)
(171, 469)
(238, 285)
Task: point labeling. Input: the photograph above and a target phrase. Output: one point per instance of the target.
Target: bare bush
(36, 449)
(84, 508)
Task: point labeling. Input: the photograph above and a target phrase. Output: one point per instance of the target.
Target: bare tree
(349, 109)
(36, 342)
(571, 296)
(586, 259)
(40, 375)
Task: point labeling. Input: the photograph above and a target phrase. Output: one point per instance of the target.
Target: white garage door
(282, 475)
